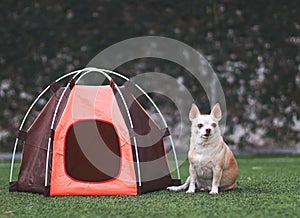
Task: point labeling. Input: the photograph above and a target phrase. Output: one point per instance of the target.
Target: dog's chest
(203, 166)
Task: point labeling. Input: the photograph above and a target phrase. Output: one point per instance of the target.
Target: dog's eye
(200, 125)
(214, 125)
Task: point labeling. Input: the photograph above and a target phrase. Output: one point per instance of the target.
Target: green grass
(268, 186)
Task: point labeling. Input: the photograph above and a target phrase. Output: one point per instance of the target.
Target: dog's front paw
(190, 191)
(212, 192)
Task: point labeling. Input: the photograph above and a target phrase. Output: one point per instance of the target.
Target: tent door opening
(92, 151)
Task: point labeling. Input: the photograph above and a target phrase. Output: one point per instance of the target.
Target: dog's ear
(216, 112)
(194, 112)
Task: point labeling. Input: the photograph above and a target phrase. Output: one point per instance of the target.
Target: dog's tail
(181, 187)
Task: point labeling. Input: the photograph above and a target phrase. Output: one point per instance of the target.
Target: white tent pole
(25, 117)
(50, 139)
(13, 160)
(91, 69)
(175, 157)
(52, 124)
(159, 112)
(57, 107)
(134, 138)
(165, 125)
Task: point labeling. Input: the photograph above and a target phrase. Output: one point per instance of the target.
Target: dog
(212, 166)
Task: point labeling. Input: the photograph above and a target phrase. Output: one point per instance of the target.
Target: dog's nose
(208, 130)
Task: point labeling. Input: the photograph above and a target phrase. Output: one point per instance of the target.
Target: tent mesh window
(92, 151)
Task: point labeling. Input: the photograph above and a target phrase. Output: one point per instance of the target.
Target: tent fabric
(32, 172)
(99, 146)
(155, 172)
(92, 103)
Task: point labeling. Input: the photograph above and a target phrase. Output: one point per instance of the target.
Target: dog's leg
(217, 175)
(230, 187)
(192, 186)
(181, 187)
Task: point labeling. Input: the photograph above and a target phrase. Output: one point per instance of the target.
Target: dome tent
(93, 140)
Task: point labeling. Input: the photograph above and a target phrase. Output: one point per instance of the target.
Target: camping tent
(93, 140)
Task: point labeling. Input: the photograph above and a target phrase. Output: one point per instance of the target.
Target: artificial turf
(268, 186)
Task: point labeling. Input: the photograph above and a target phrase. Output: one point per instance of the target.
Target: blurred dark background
(253, 46)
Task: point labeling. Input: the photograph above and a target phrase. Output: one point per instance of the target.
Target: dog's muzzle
(207, 134)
